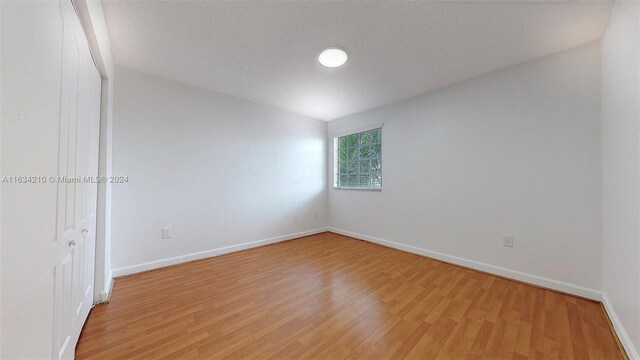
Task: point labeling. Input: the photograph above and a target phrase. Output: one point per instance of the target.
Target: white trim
(102, 282)
(104, 295)
(133, 269)
(617, 326)
(497, 270)
(84, 16)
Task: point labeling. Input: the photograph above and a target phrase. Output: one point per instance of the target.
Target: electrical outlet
(508, 241)
(295, 217)
(315, 216)
(166, 233)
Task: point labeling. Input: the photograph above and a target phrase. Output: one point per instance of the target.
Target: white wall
(621, 169)
(513, 152)
(30, 118)
(219, 170)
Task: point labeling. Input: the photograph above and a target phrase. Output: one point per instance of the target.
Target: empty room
(454, 179)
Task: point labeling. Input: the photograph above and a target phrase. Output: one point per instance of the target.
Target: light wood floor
(329, 297)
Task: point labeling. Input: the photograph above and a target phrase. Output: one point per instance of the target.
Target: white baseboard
(109, 288)
(497, 270)
(104, 294)
(133, 269)
(617, 326)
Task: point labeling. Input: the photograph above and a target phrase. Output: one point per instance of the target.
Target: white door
(87, 160)
(76, 219)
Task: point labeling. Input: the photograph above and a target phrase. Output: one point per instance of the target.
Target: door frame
(94, 27)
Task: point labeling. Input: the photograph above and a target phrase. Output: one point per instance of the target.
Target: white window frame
(334, 145)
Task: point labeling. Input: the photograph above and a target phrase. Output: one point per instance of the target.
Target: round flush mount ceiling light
(333, 57)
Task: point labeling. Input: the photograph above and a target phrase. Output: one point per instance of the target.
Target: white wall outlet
(315, 216)
(166, 232)
(508, 241)
(295, 217)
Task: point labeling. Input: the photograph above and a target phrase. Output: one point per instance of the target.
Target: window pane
(352, 140)
(365, 180)
(365, 138)
(365, 166)
(346, 141)
(342, 167)
(376, 180)
(343, 180)
(365, 151)
(352, 153)
(376, 150)
(352, 167)
(358, 162)
(342, 153)
(376, 135)
(353, 180)
(374, 164)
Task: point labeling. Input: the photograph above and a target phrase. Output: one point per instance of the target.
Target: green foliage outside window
(359, 160)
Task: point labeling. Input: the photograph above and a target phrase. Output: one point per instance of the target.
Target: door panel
(63, 275)
(91, 192)
(77, 197)
(88, 137)
(66, 229)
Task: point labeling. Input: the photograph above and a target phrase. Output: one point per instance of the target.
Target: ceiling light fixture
(333, 57)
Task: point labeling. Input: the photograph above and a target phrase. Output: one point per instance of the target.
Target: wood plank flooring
(328, 296)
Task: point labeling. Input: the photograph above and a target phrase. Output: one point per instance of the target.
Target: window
(357, 160)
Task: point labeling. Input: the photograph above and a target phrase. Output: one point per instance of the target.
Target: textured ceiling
(267, 51)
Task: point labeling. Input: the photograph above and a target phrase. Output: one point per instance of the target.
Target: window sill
(358, 188)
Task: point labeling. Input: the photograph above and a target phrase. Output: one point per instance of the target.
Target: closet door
(76, 204)
(87, 160)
